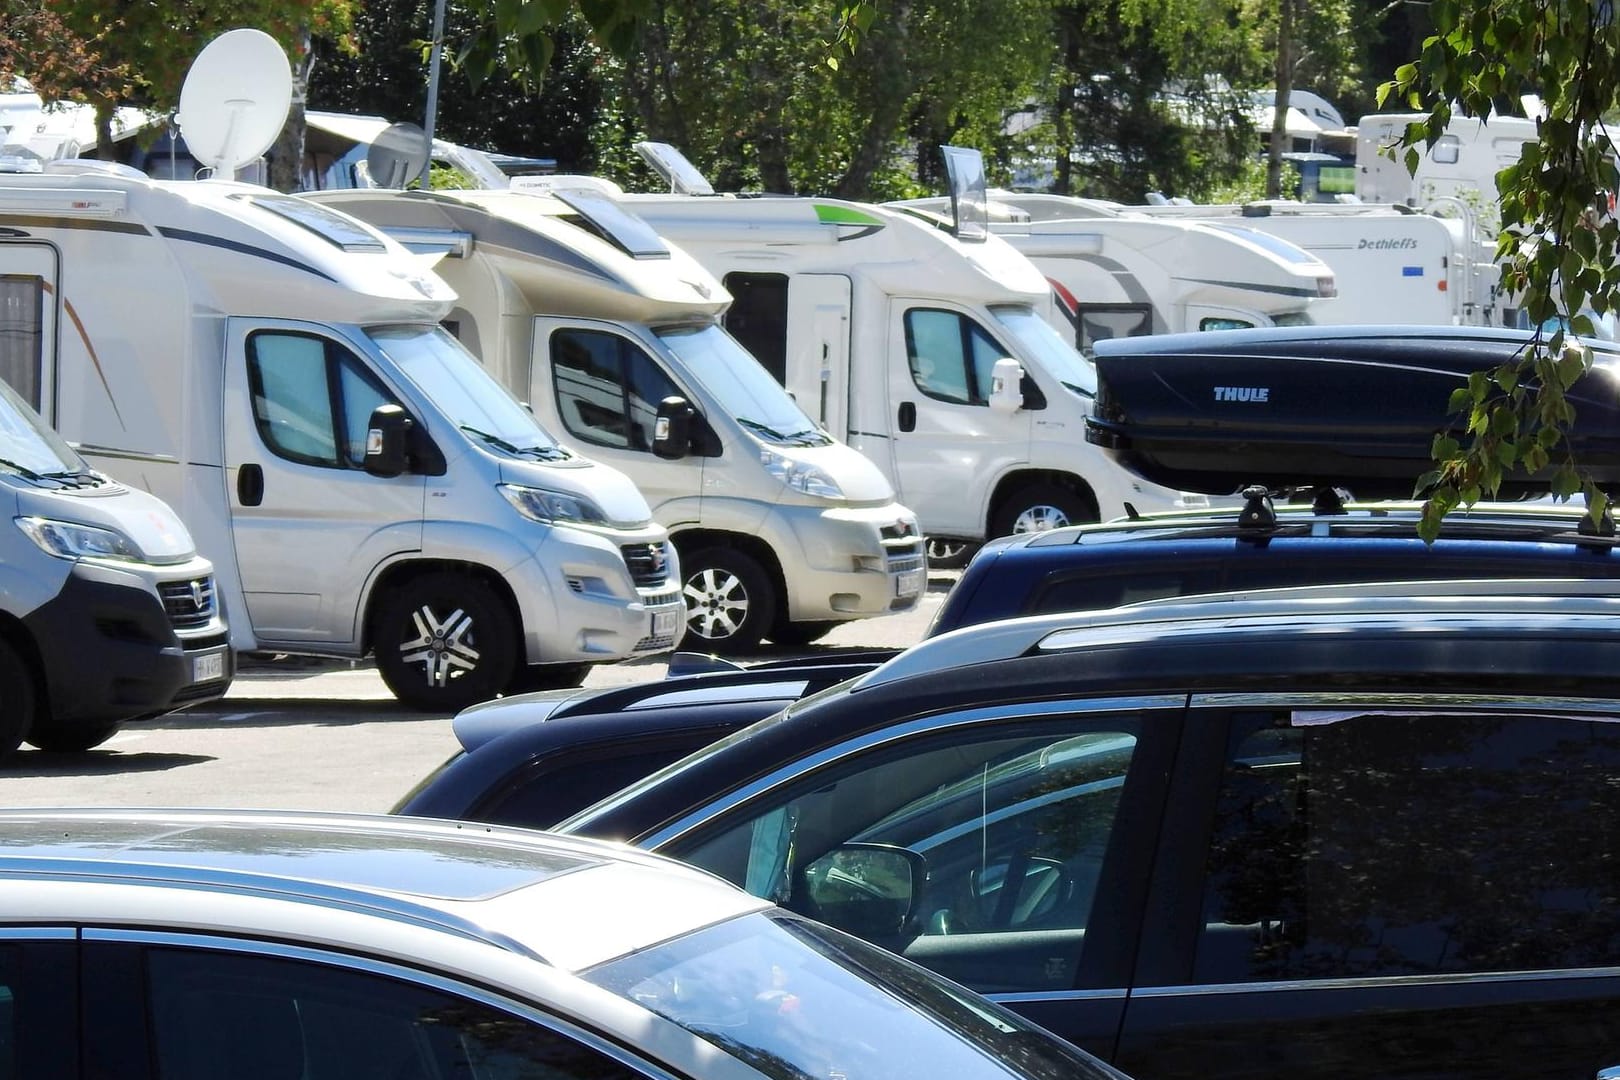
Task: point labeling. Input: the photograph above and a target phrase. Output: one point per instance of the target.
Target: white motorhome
(613, 336)
(1463, 163)
(276, 371)
(929, 352)
(1392, 264)
(1117, 273)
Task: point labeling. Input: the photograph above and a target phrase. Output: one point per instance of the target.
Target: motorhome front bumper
(611, 597)
(851, 563)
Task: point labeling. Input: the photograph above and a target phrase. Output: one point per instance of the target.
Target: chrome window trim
(938, 722)
(443, 983)
(38, 933)
(1118, 994)
(1373, 982)
(1325, 700)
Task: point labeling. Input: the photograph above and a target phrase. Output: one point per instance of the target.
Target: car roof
(568, 902)
(1318, 340)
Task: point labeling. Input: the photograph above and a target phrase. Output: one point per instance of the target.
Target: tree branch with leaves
(1557, 246)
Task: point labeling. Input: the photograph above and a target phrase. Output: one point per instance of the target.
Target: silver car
(259, 945)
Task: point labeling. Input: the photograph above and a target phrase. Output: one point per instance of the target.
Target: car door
(309, 523)
(175, 1007)
(1361, 887)
(944, 428)
(1017, 839)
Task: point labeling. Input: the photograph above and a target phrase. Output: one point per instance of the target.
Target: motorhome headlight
(69, 540)
(799, 475)
(543, 504)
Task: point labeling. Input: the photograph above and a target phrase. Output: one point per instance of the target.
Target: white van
(276, 371)
(1119, 273)
(107, 612)
(613, 336)
(928, 352)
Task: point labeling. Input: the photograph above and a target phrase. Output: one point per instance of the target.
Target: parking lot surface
(301, 734)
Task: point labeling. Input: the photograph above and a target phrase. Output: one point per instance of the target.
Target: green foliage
(1558, 237)
(1250, 183)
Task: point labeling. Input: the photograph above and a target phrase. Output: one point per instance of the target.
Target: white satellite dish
(235, 99)
(398, 155)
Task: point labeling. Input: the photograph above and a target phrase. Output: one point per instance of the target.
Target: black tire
(19, 700)
(950, 554)
(444, 641)
(730, 601)
(72, 740)
(1039, 507)
(530, 677)
(802, 633)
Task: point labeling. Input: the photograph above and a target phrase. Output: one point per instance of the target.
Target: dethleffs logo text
(1243, 393)
(1403, 243)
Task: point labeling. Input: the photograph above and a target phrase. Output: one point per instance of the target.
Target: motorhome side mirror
(1006, 385)
(386, 453)
(672, 428)
(869, 890)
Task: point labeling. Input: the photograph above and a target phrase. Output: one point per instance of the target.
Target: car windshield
(27, 445)
(1044, 344)
(795, 999)
(463, 391)
(742, 386)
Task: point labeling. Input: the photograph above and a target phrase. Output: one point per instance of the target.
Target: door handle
(908, 416)
(250, 485)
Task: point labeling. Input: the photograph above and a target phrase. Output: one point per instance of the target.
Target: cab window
(951, 357)
(608, 388)
(312, 398)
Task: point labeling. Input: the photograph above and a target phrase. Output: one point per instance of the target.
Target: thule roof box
(1318, 407)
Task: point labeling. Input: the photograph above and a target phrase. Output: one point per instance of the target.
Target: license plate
(208, 667)
(908, 583)
(665, 623)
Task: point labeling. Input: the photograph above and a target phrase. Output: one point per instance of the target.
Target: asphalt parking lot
(317, 735)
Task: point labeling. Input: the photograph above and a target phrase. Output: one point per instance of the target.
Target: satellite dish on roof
(235, 99)
(397, 156)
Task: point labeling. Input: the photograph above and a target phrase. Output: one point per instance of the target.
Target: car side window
(608, 388)
(951, 356)
(38, 1007)
(221, 1014)
(1364, 844)
(312, 400)
(940, 846)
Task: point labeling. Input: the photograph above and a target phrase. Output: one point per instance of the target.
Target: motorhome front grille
(648, 563)
(900, 530)
(909, 562)
(188, 603)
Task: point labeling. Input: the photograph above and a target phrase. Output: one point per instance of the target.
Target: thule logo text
(1243, 393)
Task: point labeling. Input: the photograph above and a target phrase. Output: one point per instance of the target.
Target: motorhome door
(29, 292)
(950, 446)
(310, 524)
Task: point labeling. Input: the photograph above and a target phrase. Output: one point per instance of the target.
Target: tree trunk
(883, 52)
(1285, 88)
(1063, 113)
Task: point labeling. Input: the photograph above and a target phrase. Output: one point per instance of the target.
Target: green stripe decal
(846, 215)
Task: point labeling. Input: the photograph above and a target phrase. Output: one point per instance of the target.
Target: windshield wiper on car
(807, 437)
(21, 470)
(544, 453)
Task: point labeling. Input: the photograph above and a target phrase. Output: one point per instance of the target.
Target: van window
(952, 358)
(1360, 843)
(758, 318)
(22, 333)
(312, 399)
(608, 388)
(1101, 322)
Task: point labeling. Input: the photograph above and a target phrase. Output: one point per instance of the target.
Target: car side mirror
(1006, 385)
(869, 890)
(386, 435)
(673, 426)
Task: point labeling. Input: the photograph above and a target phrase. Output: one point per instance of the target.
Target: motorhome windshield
(464, 392)
(742, 386)
(27, 445)
(1047, 347)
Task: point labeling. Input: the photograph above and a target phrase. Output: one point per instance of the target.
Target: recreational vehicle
(930, 353)
(1463, 163)
(275, 370)
(613, 336)
(1115, 273)
(107, 612)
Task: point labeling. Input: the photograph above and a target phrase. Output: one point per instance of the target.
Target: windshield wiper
(21, 470)
(494, 440)
(544, 453)
(768, 432)
(807, 437)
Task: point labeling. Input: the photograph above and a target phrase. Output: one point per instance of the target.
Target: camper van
(1391, 264)
(1115, 273)
(107, 612)
(928, 351)
(1463, 163)
(276, 371)
(613, 336)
